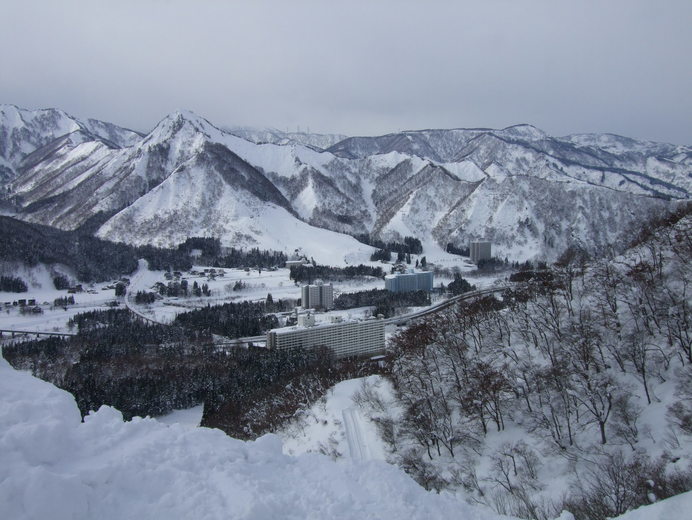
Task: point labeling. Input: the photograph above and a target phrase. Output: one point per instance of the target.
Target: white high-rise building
(320, 296)
(480, 250)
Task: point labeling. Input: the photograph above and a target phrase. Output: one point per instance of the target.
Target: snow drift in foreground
(678, 507)
(54, 466)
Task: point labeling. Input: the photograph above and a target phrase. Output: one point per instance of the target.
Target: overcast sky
(358, 67)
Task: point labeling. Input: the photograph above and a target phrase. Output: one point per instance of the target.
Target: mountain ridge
(441, 186)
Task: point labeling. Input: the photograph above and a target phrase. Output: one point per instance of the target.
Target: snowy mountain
(531, 194)
(181, 179)
(24, 131)
(274, 136)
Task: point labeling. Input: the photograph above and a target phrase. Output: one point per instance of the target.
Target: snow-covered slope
(217, 194)
(336, 426)
(54, 466)
(532, 195)
(674, 507)
(23, 131)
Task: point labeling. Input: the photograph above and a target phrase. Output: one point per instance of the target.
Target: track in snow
(357, 446)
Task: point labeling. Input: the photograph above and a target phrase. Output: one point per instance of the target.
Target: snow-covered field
(257, 284)
(41, 288)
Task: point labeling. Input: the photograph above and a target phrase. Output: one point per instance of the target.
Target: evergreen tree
(120, 289)
(460, 285)
(382, 255)
(61, 283)
(12, 284)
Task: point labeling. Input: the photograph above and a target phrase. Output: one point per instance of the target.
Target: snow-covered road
(141, 280)
(353, 426)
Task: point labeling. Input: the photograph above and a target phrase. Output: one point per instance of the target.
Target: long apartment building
(345, 339)
(409, 282)
(320, 296)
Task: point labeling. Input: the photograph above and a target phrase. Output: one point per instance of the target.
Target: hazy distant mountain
(531, 194)
(274, 136)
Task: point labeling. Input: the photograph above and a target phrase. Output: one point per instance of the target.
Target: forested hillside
(573, 391)
(145, 369)
(91, 259)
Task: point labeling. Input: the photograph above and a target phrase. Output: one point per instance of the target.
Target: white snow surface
(52, 465)
(336, 426)
(190, 416)
(678, 507)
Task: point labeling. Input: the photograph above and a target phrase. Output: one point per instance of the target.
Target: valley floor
(256, 285)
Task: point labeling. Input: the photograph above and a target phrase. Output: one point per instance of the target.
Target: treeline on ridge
(234, 320)
(310, 273)
(384, 301)
(410, 245)
(214, 255)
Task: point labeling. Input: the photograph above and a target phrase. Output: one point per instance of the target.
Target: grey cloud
(358, 67)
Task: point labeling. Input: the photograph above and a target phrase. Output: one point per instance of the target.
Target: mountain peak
(182, 116)
(523, 131)
(182, 122)
(52, 119)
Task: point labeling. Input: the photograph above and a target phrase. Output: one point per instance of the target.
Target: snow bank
(671, 508)
(323, 428)
(54, 466)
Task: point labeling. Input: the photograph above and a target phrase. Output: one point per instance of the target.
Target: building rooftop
(411, 272)
(294, 328)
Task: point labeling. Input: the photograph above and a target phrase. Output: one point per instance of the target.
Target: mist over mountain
(531, 194)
